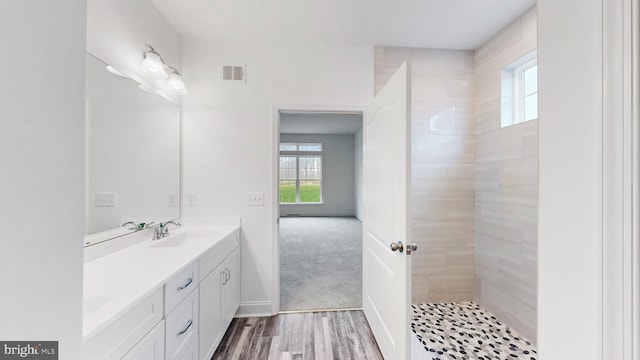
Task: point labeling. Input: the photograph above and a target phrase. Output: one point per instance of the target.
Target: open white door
(386, 225)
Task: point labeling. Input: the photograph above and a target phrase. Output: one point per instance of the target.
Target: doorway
(319, 206)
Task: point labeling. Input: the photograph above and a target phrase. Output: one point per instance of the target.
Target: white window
(300, 173)
(519, 92)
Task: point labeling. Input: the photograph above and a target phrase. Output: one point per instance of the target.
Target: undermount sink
(182, 238)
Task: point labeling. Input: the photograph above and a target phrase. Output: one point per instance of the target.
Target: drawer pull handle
(186, 285)
(187, 328)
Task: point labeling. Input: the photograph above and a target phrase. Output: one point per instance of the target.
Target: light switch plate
(255, 199)
(105, 199)
(173, 199)
(191, 199)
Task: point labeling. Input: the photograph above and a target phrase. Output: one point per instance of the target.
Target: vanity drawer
(182, 327)
(214, 256)
(179, 286)
(192, 352)
(125, 332)
(151, 347)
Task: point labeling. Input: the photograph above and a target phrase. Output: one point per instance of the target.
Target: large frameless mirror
(133, 155)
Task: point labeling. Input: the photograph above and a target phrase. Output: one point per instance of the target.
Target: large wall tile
(506, 188)
(443, 153)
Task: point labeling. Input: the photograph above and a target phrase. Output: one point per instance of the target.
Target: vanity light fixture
(154, 64)
(115, 71)
(175, 82)
(146, 89)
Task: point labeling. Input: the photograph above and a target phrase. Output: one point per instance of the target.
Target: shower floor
(463, 330)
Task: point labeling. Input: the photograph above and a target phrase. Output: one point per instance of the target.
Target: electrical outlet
(255, 199)
(173, 199)
(105, 199)
(191, 199)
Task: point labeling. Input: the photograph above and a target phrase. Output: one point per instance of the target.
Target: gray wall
(43, 171)
(338, 176)
(358, 176)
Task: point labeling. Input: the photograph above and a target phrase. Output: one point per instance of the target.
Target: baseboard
(254, 309)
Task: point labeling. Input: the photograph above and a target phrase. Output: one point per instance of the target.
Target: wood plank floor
(306, 336)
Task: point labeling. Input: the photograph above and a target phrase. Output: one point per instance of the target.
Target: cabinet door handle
(186, 285)
(226, 276)
(187, 328)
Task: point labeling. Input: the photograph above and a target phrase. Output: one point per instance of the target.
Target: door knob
(397, 246)
(412, 248)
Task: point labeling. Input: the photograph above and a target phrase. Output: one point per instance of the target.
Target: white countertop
(115, 282)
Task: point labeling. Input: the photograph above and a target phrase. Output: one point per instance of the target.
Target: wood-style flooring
(306, 336)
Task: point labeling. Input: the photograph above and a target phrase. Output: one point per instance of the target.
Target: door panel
(387, 175)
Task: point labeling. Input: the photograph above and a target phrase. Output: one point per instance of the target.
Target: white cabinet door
(151, 347)
(210, 321)
(230, 288)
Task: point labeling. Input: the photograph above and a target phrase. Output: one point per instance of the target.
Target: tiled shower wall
(442, 168)
(506, 176)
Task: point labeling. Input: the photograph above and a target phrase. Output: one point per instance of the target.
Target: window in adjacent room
(300, 173)
(519, 91)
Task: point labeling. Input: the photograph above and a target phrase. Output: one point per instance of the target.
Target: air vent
(233, 72)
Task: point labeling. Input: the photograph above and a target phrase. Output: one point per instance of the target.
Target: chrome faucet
(137, 227)
(162, 231)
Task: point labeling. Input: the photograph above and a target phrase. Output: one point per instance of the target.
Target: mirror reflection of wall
(133, 153)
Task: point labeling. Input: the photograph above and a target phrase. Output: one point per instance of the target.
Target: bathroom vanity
(167, 299)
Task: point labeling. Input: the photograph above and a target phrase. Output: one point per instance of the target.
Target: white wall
(570, 204)
(229, 133)
(42, 160)
(338, 176)
(358, 175)
(117, 31)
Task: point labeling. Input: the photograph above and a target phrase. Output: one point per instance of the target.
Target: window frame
(298, 154)
(512, 100)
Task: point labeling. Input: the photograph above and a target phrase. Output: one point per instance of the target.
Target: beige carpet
(320, 263)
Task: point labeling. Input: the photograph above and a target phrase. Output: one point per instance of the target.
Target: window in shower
(519, 91)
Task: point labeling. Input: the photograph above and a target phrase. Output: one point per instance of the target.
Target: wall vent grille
(234, 72)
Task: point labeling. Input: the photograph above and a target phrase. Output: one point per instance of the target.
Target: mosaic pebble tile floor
(463, 330)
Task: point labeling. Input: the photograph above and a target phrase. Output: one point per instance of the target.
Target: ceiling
(314, 123)
(450, 24)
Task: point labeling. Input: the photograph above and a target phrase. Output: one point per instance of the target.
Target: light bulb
(176, 84)
(154, 65)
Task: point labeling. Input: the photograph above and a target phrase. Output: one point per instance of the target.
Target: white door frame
(275, 202)
(621, 150)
